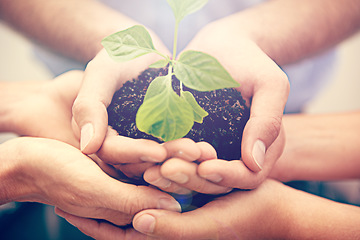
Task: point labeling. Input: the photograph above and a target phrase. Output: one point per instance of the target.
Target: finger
(99, 229)
(118, 150)
(231, 174)
(154, 177)
(90, 106)
(103, 77)
(130, 199)
(134, 170)
(115, 201)
(183, 148)
(107, 168)
(264, 124)
(207, 151)
(185, 174)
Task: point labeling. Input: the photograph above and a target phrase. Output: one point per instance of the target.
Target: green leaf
(166, 116)
(129, 44)
(182, 8)
(202, 72)
(199, 112)
(160, 64)
(156, 87)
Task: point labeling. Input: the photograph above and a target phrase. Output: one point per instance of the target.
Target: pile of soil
(222, 128)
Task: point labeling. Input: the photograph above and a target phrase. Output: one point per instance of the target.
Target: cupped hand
(203, 172)
(265, 88)
(55, 173)
(179, 173)
(103, 76)
(43, 108)
(240, 215)
(161, 165)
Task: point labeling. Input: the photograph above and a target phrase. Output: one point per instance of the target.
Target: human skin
(47, 22)
(55, 173)
(325, 147)
(248, 44)
(24, 102)
(272, 211)
(313, 148)
(255, 40)
(336, 134)
(49, 168)
(42, 110)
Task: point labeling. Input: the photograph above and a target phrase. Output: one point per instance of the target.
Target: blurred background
(18, 63)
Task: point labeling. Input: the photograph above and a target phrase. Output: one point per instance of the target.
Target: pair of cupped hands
(70, 114)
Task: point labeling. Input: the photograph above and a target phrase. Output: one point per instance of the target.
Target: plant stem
(176, 30)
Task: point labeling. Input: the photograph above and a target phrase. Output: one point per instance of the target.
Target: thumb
(90, 121)
(90, 118)
(264, 125)
(259, 134)
(169, 225)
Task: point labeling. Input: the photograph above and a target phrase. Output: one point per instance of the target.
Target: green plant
(164, 113)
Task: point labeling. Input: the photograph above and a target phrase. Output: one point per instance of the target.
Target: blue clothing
(306, 78)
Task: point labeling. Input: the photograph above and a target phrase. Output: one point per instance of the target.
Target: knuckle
(79, 105)
(283, 82)
(273, 126)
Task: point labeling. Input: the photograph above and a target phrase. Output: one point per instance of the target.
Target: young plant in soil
(164, 113)
(187, 96)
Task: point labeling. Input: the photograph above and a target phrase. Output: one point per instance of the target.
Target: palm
(51, 118)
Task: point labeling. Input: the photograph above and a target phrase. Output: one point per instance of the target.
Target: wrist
(14, 175)
(7, 119)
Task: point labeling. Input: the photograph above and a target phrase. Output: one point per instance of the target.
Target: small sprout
(165, 114)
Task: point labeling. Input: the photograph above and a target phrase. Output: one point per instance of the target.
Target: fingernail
(145, 223)
(258, 153)
(169, 204)
(87, 133)
(179, 178)
(213, 178)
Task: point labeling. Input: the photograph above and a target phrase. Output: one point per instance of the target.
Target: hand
(272, 211)
(264, 86)
(43, 108)
(205, 173)
(103, 76)
(240, 215)
(178, 174)
(138, 158)
(55, 173)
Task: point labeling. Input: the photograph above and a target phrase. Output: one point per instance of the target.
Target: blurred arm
(320, 147)
(290, 30)
(73, 28)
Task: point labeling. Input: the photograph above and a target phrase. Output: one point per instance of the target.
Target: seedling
(163, 113)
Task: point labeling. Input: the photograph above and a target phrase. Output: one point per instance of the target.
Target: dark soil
(222, 128)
